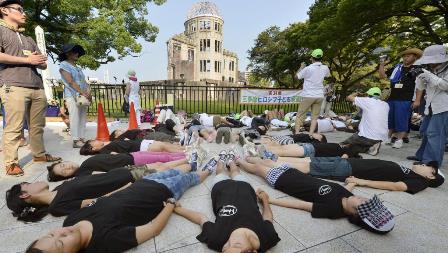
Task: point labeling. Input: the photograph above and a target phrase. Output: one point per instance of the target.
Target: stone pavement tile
(411, 234)
(18, 239)
(310, 231)
(196, 248)
(180, 232)
(8, 221)
(147, 247)
(288, 243)
(196, 191)
(419, 203)
(333, 246)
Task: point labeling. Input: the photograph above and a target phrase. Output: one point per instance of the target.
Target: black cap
(71, 48)
(8, 2)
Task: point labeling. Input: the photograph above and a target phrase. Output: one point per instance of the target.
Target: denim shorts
(308, 149)
(175, 180)
(222, 177)
(330, 167)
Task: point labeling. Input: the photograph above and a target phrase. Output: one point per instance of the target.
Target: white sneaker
(398, 144)
(388, 142)
(375, 149)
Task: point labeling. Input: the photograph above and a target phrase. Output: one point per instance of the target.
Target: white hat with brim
(433, 55)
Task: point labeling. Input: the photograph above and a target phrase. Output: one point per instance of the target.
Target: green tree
(106, 29)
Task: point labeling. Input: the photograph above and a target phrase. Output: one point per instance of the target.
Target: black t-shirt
(235, 206)
(115, 218)
(406, 93)
(130, 134)
(71, 193)
(325, 196)
(121, 146)
(104, 163)
(303, 138)
(379, 170)
(332, 150)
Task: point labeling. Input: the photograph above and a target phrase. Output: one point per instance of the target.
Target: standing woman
(132, 94)
(76, 91)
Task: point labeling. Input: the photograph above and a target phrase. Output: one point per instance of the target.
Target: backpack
(147, 116)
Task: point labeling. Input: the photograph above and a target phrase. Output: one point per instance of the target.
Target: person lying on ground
(239, 225)
(124, 219)
(93, 147)
(213, 121)
(310, 150)
(373, 173)
(169, 127)
(294, 138)
(141, 134)
(30, 202)
(321, 198)
(105, 162)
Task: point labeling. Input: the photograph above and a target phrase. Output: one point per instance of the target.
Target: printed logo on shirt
(324, 189)
(227, 210)
(405, 169)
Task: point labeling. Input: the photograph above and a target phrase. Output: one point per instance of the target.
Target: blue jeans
(330, 167)
(436, 135)
(308, 149)
(423, 128)
(176, 181)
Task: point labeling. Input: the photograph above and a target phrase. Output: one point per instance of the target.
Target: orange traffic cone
(132, 118)
(102, 132)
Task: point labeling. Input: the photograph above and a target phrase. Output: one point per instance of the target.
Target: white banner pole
(40, 40)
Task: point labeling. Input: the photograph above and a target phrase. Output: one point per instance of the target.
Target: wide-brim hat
(71, 48)
(415, 51)
(433, 55)
(8, 2)
(375, 216)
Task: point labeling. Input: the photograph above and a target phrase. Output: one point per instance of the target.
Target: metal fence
(209, 98)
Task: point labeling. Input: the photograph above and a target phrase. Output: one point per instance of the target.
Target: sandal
(47, 158)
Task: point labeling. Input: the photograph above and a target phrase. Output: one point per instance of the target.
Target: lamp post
(40, 39)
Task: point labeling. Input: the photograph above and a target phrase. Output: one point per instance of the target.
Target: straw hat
(415, 51)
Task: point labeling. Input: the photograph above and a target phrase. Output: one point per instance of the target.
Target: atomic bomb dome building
(198, 53)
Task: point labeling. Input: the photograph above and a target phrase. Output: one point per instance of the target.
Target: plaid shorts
(274, 173)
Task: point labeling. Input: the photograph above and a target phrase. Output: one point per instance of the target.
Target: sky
(243, 21)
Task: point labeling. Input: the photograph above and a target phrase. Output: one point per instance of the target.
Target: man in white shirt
(313, 89)
(373, 128)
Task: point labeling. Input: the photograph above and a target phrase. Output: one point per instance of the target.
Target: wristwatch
(171, 201)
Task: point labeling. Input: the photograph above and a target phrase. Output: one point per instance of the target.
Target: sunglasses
(18, 9)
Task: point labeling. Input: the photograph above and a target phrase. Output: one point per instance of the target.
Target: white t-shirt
(338, 123)
(206, 120)
(313, 76)
(246, 120)
(324, 126)
(374, 120)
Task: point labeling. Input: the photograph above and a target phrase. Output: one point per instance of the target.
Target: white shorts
(144, 146)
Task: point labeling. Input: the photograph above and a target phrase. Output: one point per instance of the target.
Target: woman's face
(61, 240)
(65, 169)
(96, 145)
(74, 56)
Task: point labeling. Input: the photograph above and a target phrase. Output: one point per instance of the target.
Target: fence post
(206, 97)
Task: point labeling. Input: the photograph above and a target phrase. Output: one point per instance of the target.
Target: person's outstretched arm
(293, 203)
(263, 197)
(193, 216)
(155, 227)
(382, 185)
(350, 186)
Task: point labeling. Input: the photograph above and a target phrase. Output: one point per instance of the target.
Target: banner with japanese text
(268, 96)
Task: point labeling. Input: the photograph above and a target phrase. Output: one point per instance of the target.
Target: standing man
(435, 124)
(313, 89)
(22, 90)
(402, 82)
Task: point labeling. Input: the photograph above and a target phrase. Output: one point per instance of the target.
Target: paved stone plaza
(421, 219)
